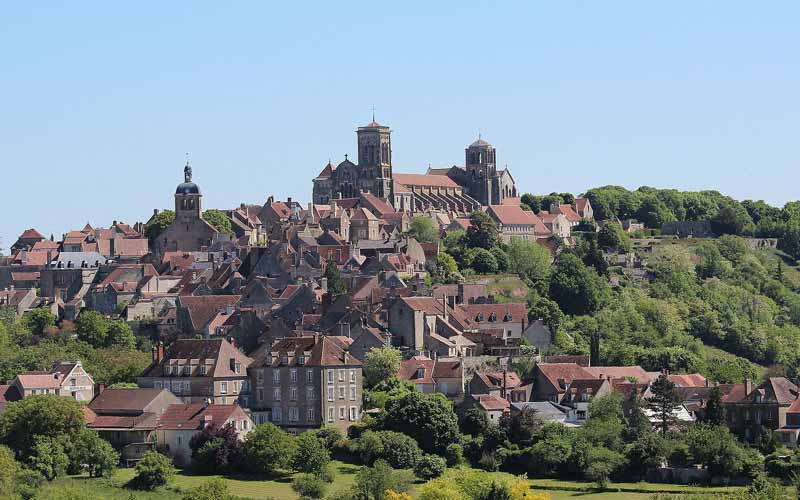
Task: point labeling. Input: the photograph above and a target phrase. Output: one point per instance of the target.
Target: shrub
(213, 489)
(48, 457)
(401, 451)
(429, 467)
(309, 486)
(267, 448)
(454, 455)
(331, 437)
(152, 471)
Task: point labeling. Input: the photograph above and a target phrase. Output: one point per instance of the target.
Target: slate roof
(491, 403)
(202, 308)
(218, 350)
(502, 312)
(323, 351)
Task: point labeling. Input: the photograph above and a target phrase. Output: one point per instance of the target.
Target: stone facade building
(302, 383)
(455, 189)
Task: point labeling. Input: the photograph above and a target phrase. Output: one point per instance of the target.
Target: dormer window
(493, 317)
(187, 370)
(203, 369)
(508, 317)
(420, 373)
(301, 360)
(479, 317)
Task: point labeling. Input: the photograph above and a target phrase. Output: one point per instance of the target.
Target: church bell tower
(375, 158)
(188, 200)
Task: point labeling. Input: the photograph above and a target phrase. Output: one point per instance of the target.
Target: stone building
(306, 382)
(455, 189)
(188, 232)
(66, 378)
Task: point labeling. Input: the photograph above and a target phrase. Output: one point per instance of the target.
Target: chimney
(155, 212)
(323, 283)
(101, 388)
(748, 385)
(158, 352)
(444, 306)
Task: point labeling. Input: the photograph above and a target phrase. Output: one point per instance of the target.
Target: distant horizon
(103, 100)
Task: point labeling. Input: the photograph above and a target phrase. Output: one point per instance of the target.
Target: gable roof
(196, 415)
(219, 351)
(124, 400)
(568, 372)
(425, 180)
(202, 308)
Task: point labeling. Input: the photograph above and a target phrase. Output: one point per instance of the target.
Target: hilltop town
(409, 321)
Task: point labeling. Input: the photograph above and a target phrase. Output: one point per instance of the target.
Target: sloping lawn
(279, 488)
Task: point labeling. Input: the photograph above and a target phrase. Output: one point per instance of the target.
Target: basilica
(455, 189)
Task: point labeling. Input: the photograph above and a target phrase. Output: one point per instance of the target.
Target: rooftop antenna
(187, 158)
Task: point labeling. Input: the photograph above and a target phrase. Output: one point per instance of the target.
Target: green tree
(483, 261)
(528, 259)
(120, 335)
(715, 448)
(613, 237)
(482, 232)
(715, 413)
(446, 269)
(159, 223)
(380, 364)
(93, 452)
(213, 489)
(92, 328)
(648, 452)
(429, 467)
(311, 456)
(428, 418)
(790, 241)
(732, 218)
(601, 464)
(45, 416)
(267, 448)
(424, 229)
(48, 457)
(576, 288)
(502, 259)
(9, 469)
(399, 450)
(336, 284)
(218, 221)
(153, 470)
(39, 320)
(664, 402)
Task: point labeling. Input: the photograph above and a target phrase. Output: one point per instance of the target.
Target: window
(202, 369)
(341, 413)
(223, 387)
(261, 395)
(310, 415)
(353, 413)
(341, 392)
(341, 375)
(157, 384)
(276, 414)
(330, 414)
(276, 394)
(187, 370)
(309, 376)
(293, 393)
(330, 393)
(310, 393)
(293, 374)
(73, 382)
(352, 393)
(293, 414)
(352, 376)
(187, 387)
(330, 376)
(235, 386)
(260, 376)
(276, 376)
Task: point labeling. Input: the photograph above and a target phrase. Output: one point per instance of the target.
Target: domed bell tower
(188, 199)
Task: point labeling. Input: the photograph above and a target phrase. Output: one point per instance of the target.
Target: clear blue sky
(100, 101)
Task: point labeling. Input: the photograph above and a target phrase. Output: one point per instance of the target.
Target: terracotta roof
(30, 234)
(195, 416)
(376, 204)
(40, 380)
(578, 359)
(218, 350)
(418, 370)
(580, 203)
(203, 308)
(512, 379)
(362, 214)
(568, 372)
(433, 307)
(144, 421)
(400, 188)
(794, 407)
(447, 369)
(425, 180)
(569, 213)
(44, 246)
(326, 171)
(688, 380)
(322, 351)
(492, 403)
(25, 276)
(512, 215)
(620, 372)
(732, 392)
(124, 400)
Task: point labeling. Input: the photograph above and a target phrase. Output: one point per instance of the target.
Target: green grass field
(280, 488)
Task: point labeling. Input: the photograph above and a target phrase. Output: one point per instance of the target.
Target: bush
(213, 489)
(454, 455)
(399, 450)
(429, 467)
(48, 457)
(152, 471)
(93, 452)
(309, 486)
(331, 437)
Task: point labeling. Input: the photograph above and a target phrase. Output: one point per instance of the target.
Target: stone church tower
(188, 199)
(481, 171)
(375, 157)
